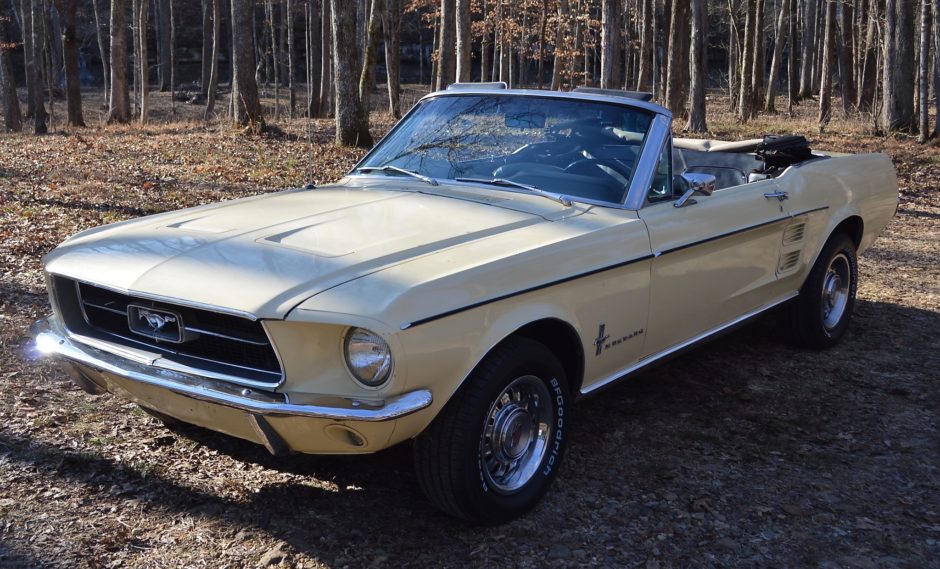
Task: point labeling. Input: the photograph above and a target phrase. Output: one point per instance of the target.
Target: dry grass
(744, 453)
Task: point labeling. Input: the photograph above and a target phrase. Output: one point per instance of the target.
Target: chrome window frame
(659, 136)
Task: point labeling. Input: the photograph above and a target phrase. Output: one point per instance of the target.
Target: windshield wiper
(563, 200)
(426, 179)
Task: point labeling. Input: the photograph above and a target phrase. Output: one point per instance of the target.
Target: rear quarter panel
(835, 189)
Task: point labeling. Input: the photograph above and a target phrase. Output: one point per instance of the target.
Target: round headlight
(368, 357)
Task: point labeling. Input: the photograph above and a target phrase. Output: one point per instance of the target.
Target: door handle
(780, 195)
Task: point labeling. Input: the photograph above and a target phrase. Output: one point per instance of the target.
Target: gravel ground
(744, 452)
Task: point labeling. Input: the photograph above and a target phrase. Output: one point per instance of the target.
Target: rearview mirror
(696, 183)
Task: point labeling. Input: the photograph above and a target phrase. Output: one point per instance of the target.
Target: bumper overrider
(282, 422)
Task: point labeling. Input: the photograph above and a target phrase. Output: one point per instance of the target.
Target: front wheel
(819, 316)
(496, 446)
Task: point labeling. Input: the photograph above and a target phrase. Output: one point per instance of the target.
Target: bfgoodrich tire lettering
(496, 446)
(819, 316)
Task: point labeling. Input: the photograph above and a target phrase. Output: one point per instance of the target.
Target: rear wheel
(819, 316)
(496, 446)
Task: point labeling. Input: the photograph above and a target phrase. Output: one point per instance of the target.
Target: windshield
(579, 149)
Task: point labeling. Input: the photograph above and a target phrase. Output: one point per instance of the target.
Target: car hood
(264, 255)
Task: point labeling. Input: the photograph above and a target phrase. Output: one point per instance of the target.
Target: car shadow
(657, 446)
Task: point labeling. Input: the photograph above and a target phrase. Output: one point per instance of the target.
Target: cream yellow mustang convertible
(499, 254)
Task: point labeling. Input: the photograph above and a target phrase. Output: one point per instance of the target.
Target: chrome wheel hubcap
(515, 434)
(835, 291)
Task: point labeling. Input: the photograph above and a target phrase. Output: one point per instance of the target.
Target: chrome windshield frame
(659, 133)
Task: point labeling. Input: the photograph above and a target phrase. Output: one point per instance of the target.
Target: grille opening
(214, 342)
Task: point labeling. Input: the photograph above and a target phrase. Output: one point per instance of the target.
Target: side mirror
(697, 183)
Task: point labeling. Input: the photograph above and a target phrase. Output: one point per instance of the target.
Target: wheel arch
(853, 226)
(563, 340)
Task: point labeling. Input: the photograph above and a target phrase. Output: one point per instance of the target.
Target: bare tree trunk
(869, 81)
(503, 44)
(828, 57)
(29, 74)
(247, 105)
(610, 43)
(392, 29)
(135, 62)
(899, 66)
(757, 74)
(207, 41)
(172, 59)
(12, 116)
(923, 72)
(53, 50)
(105, 71)
(52, 53)
(275, 59)
(645, 73)
(745, 101)
(792, 72)
(678, 60)
(446, 47)
(289, 22)
(543, 23)
(561, 25)
(66, 9)
(486, 44)
(119, 109)
(734, 56)
(847, 55)
(213, 85)
(352, 122)
(164, 45)
(817, 49)
(775, 61)
(35, 31)
(936, 65)
(628, 53)
(520, 77)
(314, 56)
(372, 45)
(142, 25)
(577, 70)
(326, 61)
(808, 55)
(698, 63)
(464, 41)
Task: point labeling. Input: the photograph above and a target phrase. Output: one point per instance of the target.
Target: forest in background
(323, 58)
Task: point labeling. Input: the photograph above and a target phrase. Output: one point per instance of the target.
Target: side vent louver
(789, 261)
(794, 234)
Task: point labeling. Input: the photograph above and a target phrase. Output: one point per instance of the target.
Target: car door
(715, 258)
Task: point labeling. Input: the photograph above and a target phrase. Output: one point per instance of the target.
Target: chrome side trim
(649, 360)
(52, 339)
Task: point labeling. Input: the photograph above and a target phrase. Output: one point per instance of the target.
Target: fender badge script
(604, 341)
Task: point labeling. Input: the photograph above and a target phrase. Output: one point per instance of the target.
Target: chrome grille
(218, 343)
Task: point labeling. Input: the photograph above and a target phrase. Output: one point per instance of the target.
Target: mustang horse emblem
(154, 320)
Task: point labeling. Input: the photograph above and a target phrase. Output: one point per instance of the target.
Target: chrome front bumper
(96, 370)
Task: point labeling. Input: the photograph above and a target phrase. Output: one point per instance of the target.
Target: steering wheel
(590, 167)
